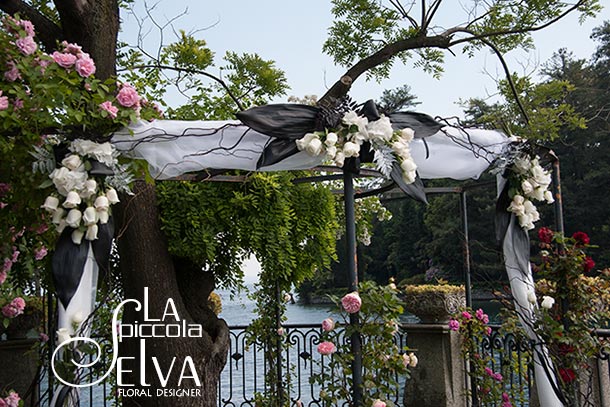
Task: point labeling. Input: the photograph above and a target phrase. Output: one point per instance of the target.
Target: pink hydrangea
(454, 325)
(328, 325)
(63, 59)
(26, 45)
(41, 253)
(351, 302)
(13, 72)
(85, 66)
(466, 315)
(327, 348)
(128, 96)
(110, 108)
(481, 316)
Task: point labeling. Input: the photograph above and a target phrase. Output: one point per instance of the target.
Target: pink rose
(18, 303)
(466, 315)
(351, 302)
(378, 403)
(3, 102)
(128, 96)
(110, 108)
(2, 403)
(328, 325)
(12, 400)
(71, 48)
(9, 311)
(481, 316)
(327, 348)
(2, 277)
(40, 254)
(85, 66)
(26, 45)
(8, 264)
(13, 73)
(64, 60)
(28, 27)
(454, 325)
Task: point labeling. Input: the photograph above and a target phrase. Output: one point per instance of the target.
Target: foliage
(382, 360)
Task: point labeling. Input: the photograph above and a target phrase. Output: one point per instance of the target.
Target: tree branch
(343, 85)
(46, 30)
(192, 71)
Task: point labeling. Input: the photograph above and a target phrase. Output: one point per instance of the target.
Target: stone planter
(434, 304)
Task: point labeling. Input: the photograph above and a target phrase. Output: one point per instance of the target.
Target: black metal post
(466, 243)
(352, 272)
(278, 348)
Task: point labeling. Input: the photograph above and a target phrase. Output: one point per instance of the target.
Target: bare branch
(191, 71)
(433, 9)
(46, 30)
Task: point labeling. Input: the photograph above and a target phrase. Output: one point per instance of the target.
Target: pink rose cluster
(481, 316)
(24, 30)
(454, 325)
(73, 56)
(14, 308)
(327, 348)
(351, 302)
(12, 400)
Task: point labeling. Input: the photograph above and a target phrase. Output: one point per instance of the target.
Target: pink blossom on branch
(351, 302)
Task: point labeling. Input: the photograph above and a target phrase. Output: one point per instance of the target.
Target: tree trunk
(145, 262)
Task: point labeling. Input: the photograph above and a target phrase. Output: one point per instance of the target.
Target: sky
(292, 34)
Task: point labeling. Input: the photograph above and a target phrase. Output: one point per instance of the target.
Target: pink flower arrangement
(327, 348)
(14, 308)
(63, 59)
(128, 96)
(351, 302)
(85, 66)
(454, 325)
(110, 108)
(26, 45)
(328, 325)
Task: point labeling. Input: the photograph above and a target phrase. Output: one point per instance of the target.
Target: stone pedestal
(19, 367)
(439, 379)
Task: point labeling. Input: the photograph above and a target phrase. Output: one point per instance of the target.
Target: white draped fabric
(173, 148)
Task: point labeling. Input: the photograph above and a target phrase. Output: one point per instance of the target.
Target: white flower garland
(345, 142)
(530, 183)
(86, 200)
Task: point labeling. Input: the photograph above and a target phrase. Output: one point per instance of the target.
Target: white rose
(61, 225)
(351, 149)
(406, 360)
(72, 162)
(525, 221)
(407, 134)
(331, 152)
(90, 188)
(413, 359)
(58, 215)
(63, 335)
(408, 165)
(352, 118)
(339, 159)
(90, 216)
(303, 142)
(50, 204)
(399, 147)
(548, 197)
(541, 176)
(547, 302)
(538, 193)
(522, 165)
(531, 297)
(72, 200)
(101, 203)
(91, 232)
(380, 129)
(101, 152)
(527, 187)
(103, 217)
(409, 177)
(314, 147)
(77, 236)
(287, 297)
(112, 196)
(516, 206)
(331, 139)
(66, 180)
(78, 317)
(74, 217)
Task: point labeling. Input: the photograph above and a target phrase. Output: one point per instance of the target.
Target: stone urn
(433, 304)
